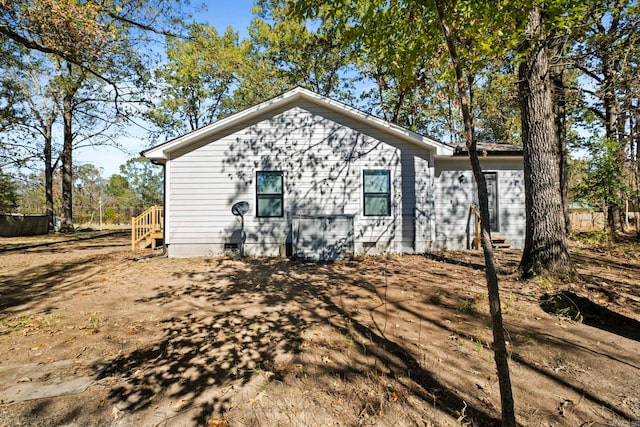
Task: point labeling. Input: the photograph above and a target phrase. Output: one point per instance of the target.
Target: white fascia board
(388, 127)
(162, 152)
(480, 157)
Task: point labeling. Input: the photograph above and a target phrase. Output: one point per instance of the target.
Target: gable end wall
(323, 156)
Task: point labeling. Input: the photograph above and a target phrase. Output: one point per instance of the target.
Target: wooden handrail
(144, 225)
(475, 244)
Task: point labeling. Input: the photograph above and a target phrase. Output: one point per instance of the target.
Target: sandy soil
(389, 341)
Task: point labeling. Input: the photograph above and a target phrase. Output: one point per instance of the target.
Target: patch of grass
(438, 297)
(546, 283)
(95, 321)
(13, 325)
(470, 305)
(508, 302)
(340, 343)
(479, 340)
(603, 241)
(527, 337)
(478, 344)
(561, 305)
(593, 238)
(29, 323)
(466, 306)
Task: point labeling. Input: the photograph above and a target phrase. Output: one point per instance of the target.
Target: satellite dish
(240, 208)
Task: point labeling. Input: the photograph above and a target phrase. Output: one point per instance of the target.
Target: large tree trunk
(560, 114)
(546, 246)
(67, 165)
(501, 357)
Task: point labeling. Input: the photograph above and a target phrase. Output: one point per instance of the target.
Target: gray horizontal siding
(453, 196)
(322, 155)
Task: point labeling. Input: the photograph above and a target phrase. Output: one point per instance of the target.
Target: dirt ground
(375, 341)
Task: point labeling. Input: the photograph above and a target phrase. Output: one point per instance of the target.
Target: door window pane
(492, 194)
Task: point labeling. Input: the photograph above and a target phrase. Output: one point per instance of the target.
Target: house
(321, 180)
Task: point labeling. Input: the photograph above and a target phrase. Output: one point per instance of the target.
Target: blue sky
(220, 14)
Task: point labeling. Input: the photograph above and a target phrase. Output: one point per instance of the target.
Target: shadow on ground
(245, 323)
(590, 313)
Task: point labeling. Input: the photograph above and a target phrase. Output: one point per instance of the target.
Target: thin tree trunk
(501, 356)
(636, 126)
(48, 178)
(613, 130)
(546, 245)
(67, 166)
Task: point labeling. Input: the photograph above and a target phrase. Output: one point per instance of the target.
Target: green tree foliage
(426, 108)
(317, 58)
(283, 53)
(603, 180)
(31, 194)
(8, 193)
(496, 107)
(119, 190)
(607, 55)
(97, 50)
(88, 188)
(120, 201)
(196, 80)
(84, 33)
(145, 180)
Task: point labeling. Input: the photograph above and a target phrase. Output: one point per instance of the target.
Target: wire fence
(114, 215)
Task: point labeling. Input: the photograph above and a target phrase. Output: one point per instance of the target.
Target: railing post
(478, 231)
(476, 240)
(133, 233)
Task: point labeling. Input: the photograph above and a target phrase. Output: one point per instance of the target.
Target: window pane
(376, 181)
(492, 194)
(269, 183)
(376, 205)
(269, 206)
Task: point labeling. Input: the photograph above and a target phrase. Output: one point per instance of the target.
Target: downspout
(164, 210)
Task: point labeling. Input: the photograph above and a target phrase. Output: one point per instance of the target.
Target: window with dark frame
(269, 194)
(377, 192)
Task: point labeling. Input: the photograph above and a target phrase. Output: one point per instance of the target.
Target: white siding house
(323, 181)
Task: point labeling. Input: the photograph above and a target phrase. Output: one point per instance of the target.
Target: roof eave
(163, 151)
(481, 156)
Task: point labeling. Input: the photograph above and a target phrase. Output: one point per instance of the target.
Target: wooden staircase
(500, 243)
(147, 229)
(496, 242)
